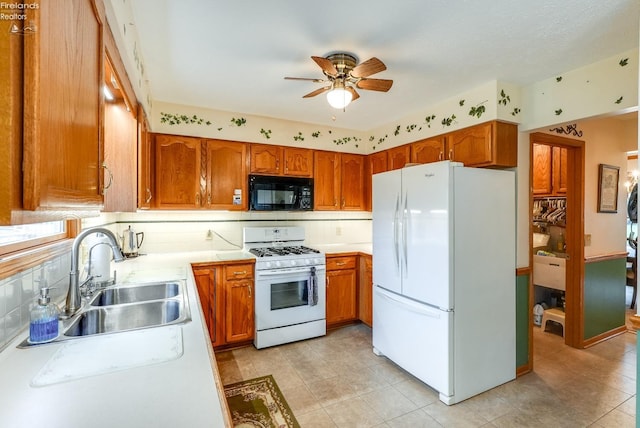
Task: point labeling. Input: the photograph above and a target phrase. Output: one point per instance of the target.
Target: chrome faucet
(74, 300)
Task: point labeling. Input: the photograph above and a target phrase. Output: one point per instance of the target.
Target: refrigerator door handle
(410, 305)
(396, 222)
(405, 227)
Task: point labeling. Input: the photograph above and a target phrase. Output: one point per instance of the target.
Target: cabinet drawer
(336, 263)
(232, 272)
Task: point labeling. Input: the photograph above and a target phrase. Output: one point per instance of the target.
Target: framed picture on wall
(608, 177)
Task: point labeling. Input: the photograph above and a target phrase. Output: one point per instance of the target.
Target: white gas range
(290, 300)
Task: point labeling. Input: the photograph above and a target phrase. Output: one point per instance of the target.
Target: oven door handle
(287, 271)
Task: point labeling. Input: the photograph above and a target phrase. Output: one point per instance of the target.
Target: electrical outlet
(209, 235)
(587, 240)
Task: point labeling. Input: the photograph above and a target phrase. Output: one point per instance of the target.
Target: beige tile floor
(336, 381)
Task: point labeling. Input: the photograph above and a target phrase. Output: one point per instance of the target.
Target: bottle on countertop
(44, 319)
(561, 245)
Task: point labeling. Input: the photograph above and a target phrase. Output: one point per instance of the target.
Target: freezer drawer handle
(410, 305)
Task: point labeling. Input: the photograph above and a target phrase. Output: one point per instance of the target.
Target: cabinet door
(326, 191)
(239, 310)
(226, 175)
(178, 172)
(365, 291)
(298, 162)
(471, 146)
(341, 296)
(204, 283)
(542, 184)
(559, 170)
(429, 150)
(144, 161)
(63, 107)
(266, 159)
(399, 157)
(374, 163)
(352, 182)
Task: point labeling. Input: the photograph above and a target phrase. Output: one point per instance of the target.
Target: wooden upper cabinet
(428, 150)
(559, 169)
(298, 162)
(145, 166)
(326, 191)
(542, 182)
(373, 164)
(488, 144)
(399, 157)
(549, 170)
(226, 175)
(63, 107)
(266, 159)
(279, 160)
(178, 172)
(352, 182)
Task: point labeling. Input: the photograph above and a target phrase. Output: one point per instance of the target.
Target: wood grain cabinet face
(145, 195)
(239, 303)
(399, 157)
(226, 175)
(63, 107)
(298, 162)
(352, 182)
(549, 170)
(559, 169)
(179, 176)
(488, 144)
(341, 290)
(326, 182)
(365, 290)
(429, 150)
(266, 159)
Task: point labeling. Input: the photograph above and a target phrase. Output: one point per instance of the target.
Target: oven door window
(289, 294)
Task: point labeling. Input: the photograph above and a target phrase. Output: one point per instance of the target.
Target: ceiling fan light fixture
(339, 97)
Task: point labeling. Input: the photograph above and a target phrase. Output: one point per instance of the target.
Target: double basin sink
(128, 307)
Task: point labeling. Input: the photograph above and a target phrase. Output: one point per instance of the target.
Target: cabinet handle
(441, 156)
(340, 263)
(148, 196)
(335, 202)
(343, 202)
(450, 154)
(104, 189)
(244, 272)
(209, 198)
(249, 290)
(198, 199)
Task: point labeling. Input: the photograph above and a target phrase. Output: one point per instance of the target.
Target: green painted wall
(522, 320)
(604, 296)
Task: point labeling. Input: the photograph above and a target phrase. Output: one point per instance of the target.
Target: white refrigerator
(444, 275)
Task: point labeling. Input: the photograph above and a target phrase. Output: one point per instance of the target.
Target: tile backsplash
(19, 293)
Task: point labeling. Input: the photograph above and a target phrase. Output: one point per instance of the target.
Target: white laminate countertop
(363, 247)
(182, 391)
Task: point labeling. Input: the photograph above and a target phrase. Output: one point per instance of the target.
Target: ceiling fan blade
(354, 94)
(326, 65)
(382, 85)
(369, 67)
(305, 78)
(317, 92)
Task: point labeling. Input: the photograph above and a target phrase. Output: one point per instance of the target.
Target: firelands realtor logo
(17, 13)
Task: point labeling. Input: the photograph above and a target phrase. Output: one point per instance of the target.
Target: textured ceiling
(233, 55)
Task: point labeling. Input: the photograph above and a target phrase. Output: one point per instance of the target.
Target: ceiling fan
(344, 75)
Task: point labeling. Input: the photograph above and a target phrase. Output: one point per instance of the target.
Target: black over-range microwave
(268, 193)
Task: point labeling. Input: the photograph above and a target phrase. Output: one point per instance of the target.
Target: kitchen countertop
(184, 391)
(362, 247)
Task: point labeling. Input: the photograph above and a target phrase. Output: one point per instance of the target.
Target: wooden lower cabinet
(341, 290)
(365, 290)
(226, 295)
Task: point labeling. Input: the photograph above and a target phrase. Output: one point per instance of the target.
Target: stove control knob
(267, 265)
(307, 261)
(293, 263)
(278, 264)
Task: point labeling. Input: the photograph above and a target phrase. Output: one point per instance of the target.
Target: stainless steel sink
(139, 293)
(111, 319)
(125, 308)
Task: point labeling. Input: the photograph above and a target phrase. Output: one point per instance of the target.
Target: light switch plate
(587, 240)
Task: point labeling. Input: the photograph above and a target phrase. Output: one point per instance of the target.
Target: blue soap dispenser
(44, 319)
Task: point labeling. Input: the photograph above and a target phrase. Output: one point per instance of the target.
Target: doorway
(569, 196)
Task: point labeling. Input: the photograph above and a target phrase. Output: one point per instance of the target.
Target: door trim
(574, 295)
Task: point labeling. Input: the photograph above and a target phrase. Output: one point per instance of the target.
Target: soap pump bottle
(44, 319)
